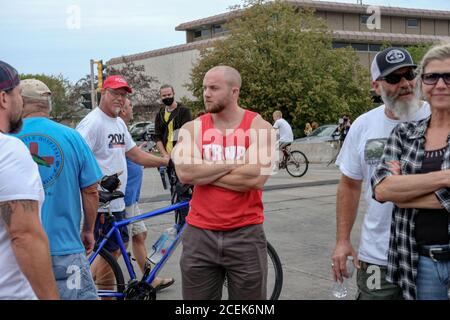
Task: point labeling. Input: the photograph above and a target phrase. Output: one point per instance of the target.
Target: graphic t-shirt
(66, 165)
(217, 208)
(109, 140)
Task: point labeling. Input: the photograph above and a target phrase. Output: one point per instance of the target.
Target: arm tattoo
(5, 212)
(6, 208)
(28, 205)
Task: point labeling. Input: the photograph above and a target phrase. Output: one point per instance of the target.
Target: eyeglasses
(433, 78)
(117, 93)
(394, 78)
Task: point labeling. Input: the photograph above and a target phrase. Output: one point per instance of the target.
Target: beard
(403, 110)
(15, 125)
(214, 107)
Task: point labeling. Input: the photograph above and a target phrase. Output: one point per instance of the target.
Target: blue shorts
(103, 228)
(73, 277)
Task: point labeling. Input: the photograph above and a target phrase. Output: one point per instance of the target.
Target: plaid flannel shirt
(406, 145)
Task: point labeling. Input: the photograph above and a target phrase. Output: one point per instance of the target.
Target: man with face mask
(169, 120)
(25, 263)
(393, 78)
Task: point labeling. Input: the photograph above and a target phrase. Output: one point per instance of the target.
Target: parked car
(328, 132)
(139, 130)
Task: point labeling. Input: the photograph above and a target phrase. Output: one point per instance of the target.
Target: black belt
(435, 253)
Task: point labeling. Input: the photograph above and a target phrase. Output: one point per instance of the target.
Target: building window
(217, 28)
(202, 33)
(360, 46)
(363, 18)
(412, 23)
(337, 45)
(374, 47)
(197, 33)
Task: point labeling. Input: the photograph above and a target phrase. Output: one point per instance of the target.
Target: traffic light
(100, 67)
(87, 101)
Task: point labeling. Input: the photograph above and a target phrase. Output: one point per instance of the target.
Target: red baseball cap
(116, 82)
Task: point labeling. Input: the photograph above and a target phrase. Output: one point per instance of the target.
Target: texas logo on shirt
(48, 155)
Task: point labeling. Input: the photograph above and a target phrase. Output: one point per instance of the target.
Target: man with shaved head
(220, 154)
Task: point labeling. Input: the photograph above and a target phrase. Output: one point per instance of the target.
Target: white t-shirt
(358, 159)
(285, 130)
(109, 140)
(20, 180)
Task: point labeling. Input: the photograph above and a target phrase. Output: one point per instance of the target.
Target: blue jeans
(432, 279)
(73, 277)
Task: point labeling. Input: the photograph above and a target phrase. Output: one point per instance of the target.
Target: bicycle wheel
(107, 274)
(274, 275)
(297, 164)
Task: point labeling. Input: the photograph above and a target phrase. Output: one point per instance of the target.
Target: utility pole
(93, 91)
(96, 92)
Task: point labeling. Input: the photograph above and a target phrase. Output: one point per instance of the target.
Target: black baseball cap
(9, 77)
(389, 60)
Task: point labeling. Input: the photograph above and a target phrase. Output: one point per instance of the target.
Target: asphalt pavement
(300, 223)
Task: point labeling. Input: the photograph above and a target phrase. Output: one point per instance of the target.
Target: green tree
(418, 51)
(286, 60)
(145, 87)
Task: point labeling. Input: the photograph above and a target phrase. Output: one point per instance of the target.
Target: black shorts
(102, 228)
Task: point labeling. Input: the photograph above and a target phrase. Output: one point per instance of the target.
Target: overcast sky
(60, 36)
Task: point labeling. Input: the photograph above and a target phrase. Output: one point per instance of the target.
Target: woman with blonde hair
(414, 174)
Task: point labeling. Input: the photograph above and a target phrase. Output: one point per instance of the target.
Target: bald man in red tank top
(227, 154)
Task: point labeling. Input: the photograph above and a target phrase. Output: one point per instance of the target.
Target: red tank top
(216, 208)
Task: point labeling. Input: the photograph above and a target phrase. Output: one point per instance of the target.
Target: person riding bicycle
(284, 130)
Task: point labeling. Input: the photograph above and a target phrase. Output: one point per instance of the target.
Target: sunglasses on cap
(433, 78)
(394, 78)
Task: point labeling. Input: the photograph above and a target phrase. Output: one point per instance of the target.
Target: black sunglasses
(396, 78)
(433, 78)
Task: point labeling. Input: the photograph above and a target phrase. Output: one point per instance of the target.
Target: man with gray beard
(394, 80)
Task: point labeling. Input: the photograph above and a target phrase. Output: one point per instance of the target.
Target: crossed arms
(240, 175)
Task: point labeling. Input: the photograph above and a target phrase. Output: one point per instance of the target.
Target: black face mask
(168, 101)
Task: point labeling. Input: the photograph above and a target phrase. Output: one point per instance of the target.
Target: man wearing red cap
(108, 137)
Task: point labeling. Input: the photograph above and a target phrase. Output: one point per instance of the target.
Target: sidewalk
(317, 174)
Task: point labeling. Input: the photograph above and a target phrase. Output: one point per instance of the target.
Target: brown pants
(208, 255)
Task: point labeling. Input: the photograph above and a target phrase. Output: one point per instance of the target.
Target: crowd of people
(397, 153)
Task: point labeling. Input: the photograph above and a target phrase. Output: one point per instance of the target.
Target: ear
(3, 98)
(376, 87)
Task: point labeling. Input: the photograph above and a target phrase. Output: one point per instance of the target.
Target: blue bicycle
(115, 286)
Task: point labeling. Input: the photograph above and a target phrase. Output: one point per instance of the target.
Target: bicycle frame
(114, 231)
